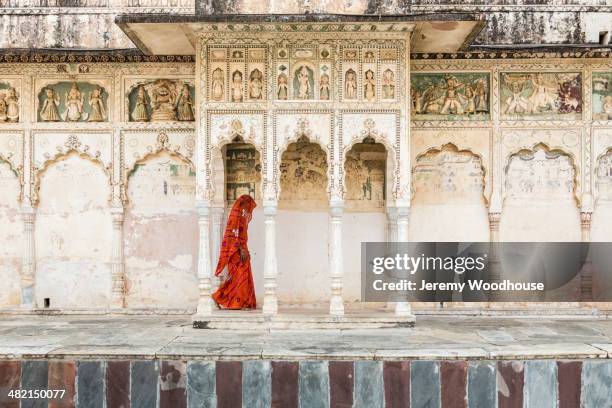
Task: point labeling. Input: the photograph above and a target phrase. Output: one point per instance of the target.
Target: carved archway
(369, 187)
(598, 162)
(17, 171)
(241, 150)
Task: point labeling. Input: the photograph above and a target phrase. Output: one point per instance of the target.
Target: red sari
(238, 291)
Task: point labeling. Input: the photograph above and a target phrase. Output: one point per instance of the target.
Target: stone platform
(299, 320)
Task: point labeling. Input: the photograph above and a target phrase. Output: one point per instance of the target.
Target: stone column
(391, 224)
(216, 237)
(336, 304)
(586, 274)
(270, 304)
(205, 305)
(494, 265)
(28, 273)
(403, 216)
(117, 262)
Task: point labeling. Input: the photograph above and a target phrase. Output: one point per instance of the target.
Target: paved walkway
(172, 337)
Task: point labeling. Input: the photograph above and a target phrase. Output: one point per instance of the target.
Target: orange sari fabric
(238, 290)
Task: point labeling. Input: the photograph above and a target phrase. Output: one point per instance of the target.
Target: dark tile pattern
(90, 380)
(569, 380)
(62, 376)
(341, 378)
(285, 384)
(396, 376)
(118, 384)
(173, 384)
(229, 384)
(510, 384)
(10, 379)
(453, 384)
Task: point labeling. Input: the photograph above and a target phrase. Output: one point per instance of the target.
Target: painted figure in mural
(543, 95)
(256, 84)
(350, 85)
(470, 96)
(238, 290)
(388, 84)
(74, 104)
(163, 101)
(417, 105)
(141, 111)
(236, 87)
(97, 112)
(369, 86)
(282, 87)
(516, 103)
(3, 108)
(569, 96)
(324, 87)
(185, 105)
(452, 103)
(49, 112)
(304, 91)
(607, 106)
(218, 85)
(12, 103)
(481, 96)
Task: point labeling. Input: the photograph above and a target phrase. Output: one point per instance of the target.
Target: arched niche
(448, 200)
(73, 234)
(539, 193)
(11, 236)
(601, 223)
(302, 223)
(161, 233)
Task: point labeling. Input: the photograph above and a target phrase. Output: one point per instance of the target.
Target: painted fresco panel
(541, 95)
(303, 180)
(602, 95)
(450, 96)
(10, 237)
(365, 170)
(243, 171)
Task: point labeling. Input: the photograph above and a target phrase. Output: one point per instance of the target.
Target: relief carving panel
(161, 100)
(229, 127)
(10, 101)
(73, 101)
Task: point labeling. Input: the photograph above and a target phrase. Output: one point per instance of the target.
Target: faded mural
(450, 96)
(540, 174)
(243, 171)
(162, 100)
(602, 95)
(303, 178)
(448, 175)
(540, 95)
(365, 173)
(11, 234)
(161, 234)
(604, 177)
(72, 102)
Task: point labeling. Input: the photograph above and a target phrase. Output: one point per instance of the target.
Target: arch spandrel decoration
(550, 153)
(11, 152)
(99, 153)
(225, 127)
(603, 177)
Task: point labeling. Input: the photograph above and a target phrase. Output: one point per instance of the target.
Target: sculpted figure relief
(324, 87)
(388, 84)
(48, 111)
(303, 79)
(282, 87)
(12, 106)
(97, 112)
(141, 109)
(369, 86)
(74, 104)
(163, 101)
(256, 84)
(218, 85)
(350, 85)
(236, 88)
(3, 108)
(185, 105)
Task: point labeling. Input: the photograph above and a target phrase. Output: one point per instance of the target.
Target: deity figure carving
(369, 86)
(12, 103)
(256, 84)
(470, 96)
(74, 104)
(388, 84)
(164, 101)
(452, 102)
(49, 112)
(236, 87)
(218, 85)
(607, 106)
(350, 85)
(3, 108)
(97, 112)
(141, 111)
(303, 78)
(480, 95)
(324, 87)
(282, 87)
(185, 105)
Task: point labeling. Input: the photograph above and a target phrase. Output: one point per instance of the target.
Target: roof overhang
(168, 34)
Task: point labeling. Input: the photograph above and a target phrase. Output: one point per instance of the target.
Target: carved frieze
(72, 101)
(237, 74)
(161, 100)
(10, 101)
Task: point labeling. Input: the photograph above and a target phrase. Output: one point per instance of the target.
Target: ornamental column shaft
(216, 237)
(586, 274)
(270, 305)
(28, 272)
(204, 265)
(403, 216)
(117, 264)
(494, 263)
(336, 306)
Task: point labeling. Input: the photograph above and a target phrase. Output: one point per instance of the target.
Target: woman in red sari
(238, 291)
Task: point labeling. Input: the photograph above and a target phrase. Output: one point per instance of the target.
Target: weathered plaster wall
(11, 233)
(73, 235)
(161, 234)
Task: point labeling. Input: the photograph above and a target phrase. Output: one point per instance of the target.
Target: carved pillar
(403, 217)
(494, 265)
(204, 266)
(336, 304)
(270, 305)
(117, 264)
(28, 300)
(586, 274)
(391, 224)
(216, 237)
